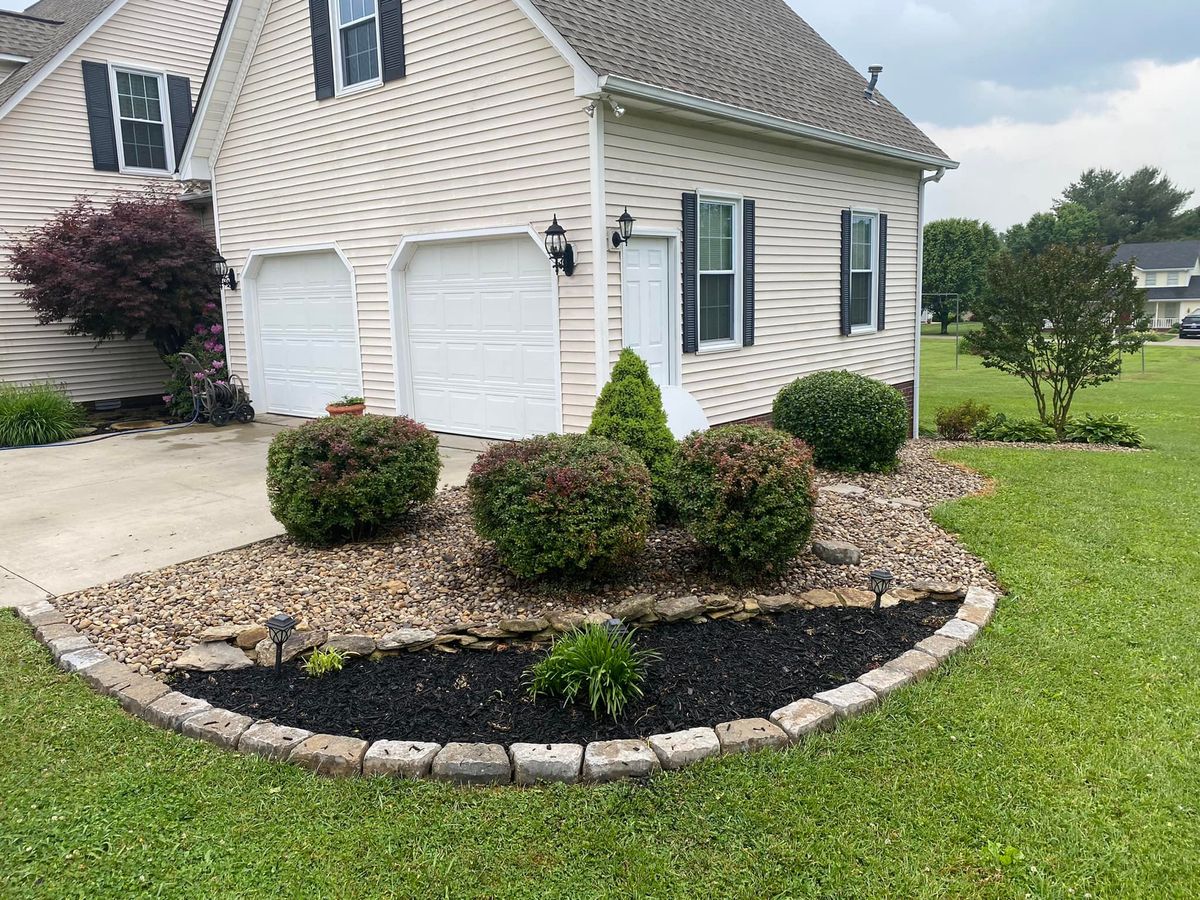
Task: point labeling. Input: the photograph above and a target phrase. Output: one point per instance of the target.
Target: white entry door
(482, 354)
(646, 305)
(307, 333)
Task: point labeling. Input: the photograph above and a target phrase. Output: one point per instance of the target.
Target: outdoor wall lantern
(561, 253)
(625, 230)
(280, 627)
(225, 275)
(881, 582)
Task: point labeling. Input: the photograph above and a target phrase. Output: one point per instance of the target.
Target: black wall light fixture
(225, 275)
(562, 254)
(625, 229)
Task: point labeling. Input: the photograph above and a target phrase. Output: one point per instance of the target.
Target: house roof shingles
(1161, 255)
(1189, 291)
(23, 35)
(758, 55)
(74, 16)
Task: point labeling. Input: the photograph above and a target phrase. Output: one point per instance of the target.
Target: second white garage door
(307, 333)
(482, 346)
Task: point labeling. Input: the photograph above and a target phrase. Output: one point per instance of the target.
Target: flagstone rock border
(494, 764)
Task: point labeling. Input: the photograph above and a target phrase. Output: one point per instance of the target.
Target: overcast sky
(1026, 94)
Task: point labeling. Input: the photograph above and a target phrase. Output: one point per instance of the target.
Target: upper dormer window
(140, 104)
(1172, 279)
(357, 43)
(1151, 279)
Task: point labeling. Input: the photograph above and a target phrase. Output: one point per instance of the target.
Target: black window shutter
(748, 228)
(391, 31)
(691, 274)
(845, 271)
(882, 315)
(179, 94)
(98, 99)
(322, 46)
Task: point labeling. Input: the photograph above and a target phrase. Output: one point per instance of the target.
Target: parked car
(1190, 326)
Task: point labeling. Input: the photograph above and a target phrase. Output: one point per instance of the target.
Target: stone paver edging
(494, 764)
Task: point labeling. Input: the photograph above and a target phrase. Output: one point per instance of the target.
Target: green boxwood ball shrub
(630, 412)
(851, 422)
(746, 494)
(343, 478)
(561, 504)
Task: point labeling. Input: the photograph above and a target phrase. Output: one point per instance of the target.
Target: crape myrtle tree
(956, 257)
(1060, 321)
(139, 267)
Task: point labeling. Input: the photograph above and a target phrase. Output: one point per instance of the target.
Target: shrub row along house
(96, 98)
(386, 174)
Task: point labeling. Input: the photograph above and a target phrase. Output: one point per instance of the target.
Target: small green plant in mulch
(955, 423)
(348, 401)
(35, 414)
(324, 662)
(593, 665)
(1111, 429)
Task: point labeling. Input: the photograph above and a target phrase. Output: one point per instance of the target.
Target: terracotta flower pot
(356, 410)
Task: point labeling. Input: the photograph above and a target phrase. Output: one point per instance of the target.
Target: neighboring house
(1170, 273)
(385, 173)
(96, 99)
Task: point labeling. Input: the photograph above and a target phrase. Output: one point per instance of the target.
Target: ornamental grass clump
(34, 414)
(561, 504)
(324, 662)
(746, 495)
(593, 665)
(630, 412)
(851, 422)
(340, 479)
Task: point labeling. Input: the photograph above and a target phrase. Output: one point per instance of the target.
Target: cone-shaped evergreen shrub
(630, 412)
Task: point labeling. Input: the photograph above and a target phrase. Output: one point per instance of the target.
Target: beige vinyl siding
(485, 131)
(46, 161)
(800, 194)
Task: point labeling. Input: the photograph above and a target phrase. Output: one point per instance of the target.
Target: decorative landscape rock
(914, 662)
(683, 748)
(55, 632)
(300, 642)
(137, 696)
(332, 755)
(605, 761)
(837, 553)
(351, 644)
(80, 660)
(939, 590)
(562, 622)
(821, 599)
(676, 609)
(749, 735)
(220, 633)
(406, 639)
(976, 615)
(474, 764)
(940, 647)
(217, 726)
(251, 636)
(400, 759)
(856, 598)
(884, 681)
(170, 711)
(524, 626)
(849, 699)
(46, 617)
(215, 657)
(959, 630)
(844, 490)
(62, 646)
(779, 603)
(804, 717)
(635, 608)
(546, 763)
(271, 741)
(108, 677)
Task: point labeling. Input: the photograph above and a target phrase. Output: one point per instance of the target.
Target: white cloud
(1012, 169)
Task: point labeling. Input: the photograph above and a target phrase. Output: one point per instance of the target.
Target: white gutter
(924, 180)
(627, 87)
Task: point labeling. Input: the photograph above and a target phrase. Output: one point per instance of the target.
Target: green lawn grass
(934, 329)
(1070, 733)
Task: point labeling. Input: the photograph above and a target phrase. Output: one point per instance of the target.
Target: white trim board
(60, 57)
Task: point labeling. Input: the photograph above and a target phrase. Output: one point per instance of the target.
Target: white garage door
(482, 353)
(307, 335)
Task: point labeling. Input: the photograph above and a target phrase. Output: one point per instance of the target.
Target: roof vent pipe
(875, 71)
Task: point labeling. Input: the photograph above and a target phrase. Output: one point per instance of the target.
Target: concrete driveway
(85, 514)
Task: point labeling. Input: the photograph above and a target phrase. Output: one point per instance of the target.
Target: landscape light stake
(280, 627)
(881, 582)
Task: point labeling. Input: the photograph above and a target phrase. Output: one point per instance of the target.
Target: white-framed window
(864, 270)
(719, 312)
(143, 118)
(1151, 279)
(356, 44)
(1172, 279)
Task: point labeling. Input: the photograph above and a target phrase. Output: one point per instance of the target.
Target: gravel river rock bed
(431, 571)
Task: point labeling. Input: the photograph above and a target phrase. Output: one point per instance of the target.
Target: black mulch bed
(708, 674)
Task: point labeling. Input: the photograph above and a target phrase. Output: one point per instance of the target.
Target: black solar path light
(881, 582)
(280, 627)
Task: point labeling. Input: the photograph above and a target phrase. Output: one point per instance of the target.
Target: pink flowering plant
(746, 495)
(562, 504)
(340, 479)
(207, 344)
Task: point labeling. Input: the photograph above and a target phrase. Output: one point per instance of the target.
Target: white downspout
(924, 180)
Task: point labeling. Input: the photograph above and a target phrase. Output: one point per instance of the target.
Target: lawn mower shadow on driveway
(219, 401)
